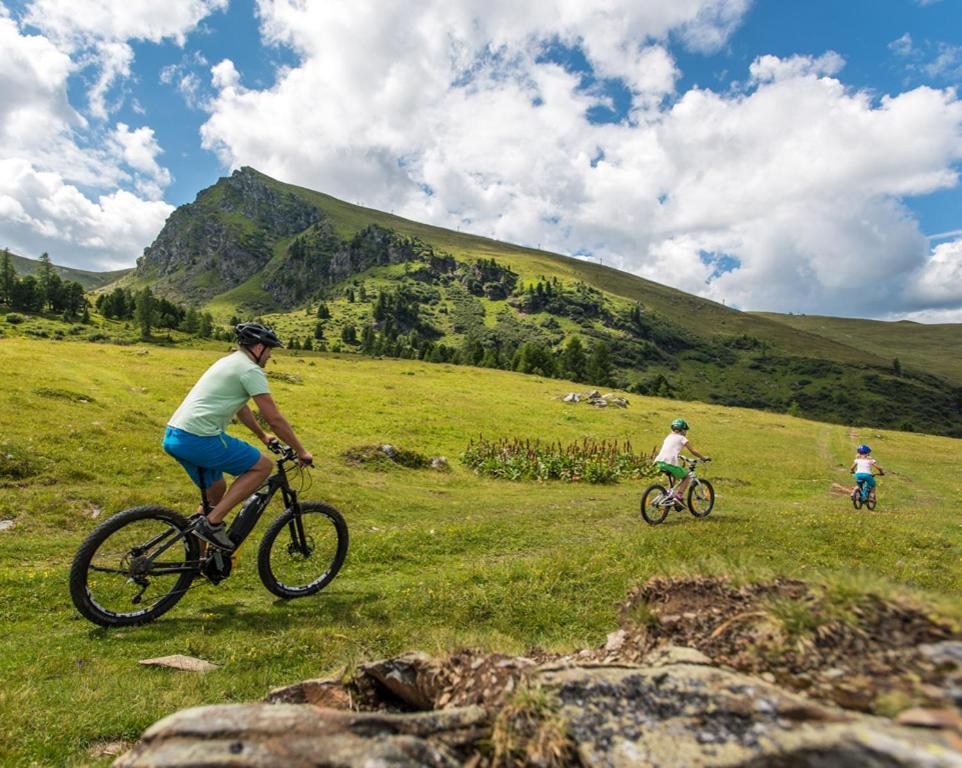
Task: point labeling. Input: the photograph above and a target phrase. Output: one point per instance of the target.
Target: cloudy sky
(793, 155)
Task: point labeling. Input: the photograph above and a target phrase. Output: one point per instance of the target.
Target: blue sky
(761, 153)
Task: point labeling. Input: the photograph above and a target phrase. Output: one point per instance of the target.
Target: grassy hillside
(936, 347)
(437, 561)
(691, 313)
(89, 280)
(253, 246)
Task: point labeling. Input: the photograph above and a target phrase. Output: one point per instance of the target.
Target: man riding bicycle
(196, 433)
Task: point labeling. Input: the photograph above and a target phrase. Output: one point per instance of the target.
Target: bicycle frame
(674, 483)
(240, 528)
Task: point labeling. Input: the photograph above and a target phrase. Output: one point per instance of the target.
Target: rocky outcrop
(305, 736)
(677, 714)
(224, 237)
(317, 258)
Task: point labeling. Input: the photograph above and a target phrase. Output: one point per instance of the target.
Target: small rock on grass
(179, 661)
(6, 525)
(109, 748)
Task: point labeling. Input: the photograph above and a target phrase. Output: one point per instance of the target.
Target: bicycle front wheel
(701, 498)
(857, 498)
(654, 508)
(302, 552)
(133, 567)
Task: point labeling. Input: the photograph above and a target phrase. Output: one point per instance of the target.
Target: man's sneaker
(213, 534)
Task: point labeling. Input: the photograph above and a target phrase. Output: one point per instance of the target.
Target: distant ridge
(91, 281)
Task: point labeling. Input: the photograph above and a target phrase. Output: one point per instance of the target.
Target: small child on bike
(862, 467)
(669, 458)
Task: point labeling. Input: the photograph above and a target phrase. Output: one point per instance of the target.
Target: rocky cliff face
(317, 258)
(224, 237)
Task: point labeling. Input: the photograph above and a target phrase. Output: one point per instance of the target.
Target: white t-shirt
(864, 465)
(671, 448)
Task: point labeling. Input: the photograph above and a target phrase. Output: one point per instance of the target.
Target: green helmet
(679, 424)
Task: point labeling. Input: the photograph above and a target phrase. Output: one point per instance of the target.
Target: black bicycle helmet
(249, 334)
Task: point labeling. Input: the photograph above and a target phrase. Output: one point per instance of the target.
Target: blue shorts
(217, 454)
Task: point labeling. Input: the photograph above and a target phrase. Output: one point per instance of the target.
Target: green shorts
(676, 472)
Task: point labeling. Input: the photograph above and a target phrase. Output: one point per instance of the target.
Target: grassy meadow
(437, 561)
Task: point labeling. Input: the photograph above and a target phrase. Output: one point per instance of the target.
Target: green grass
(437, 561)
(934, 348)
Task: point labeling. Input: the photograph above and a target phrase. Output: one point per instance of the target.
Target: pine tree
(191, 322)
(47, 279)
(145, 309)
(897, 367)
(368, 340)
(323, 312)
(319, 331)
(574, 360)
(598, 369)
(205, 326)
(8, 278)
(349, 334)
(308, 344)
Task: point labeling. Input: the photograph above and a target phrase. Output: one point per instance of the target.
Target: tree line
(45, 291)
(149, 312)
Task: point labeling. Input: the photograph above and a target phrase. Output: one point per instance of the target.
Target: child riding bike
(668, 459)
(862, 467)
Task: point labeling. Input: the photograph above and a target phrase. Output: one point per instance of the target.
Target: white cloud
(84, 21)
(48, 152)
(768, 68)
(794, 183)
(140, 149)
(115, 59)
(938, 284)
(902, 46)
(96, 33)
(41, 213)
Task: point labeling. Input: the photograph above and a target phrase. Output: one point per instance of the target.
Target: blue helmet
(863, 448)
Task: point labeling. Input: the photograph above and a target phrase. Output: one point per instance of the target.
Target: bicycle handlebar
(284, 451)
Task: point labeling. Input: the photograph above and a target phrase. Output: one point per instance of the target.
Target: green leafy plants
(589, 461)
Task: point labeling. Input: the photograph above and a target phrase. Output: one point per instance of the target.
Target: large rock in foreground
(304, 736)
(680, 714)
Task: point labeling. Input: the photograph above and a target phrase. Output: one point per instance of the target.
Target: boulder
(305, 736)
(572, 397)
(407, 682)
(693, 715)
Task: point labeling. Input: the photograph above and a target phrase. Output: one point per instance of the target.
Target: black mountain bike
(657, 501)
(138, 563)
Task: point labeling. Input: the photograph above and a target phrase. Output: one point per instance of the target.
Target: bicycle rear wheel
(701, 498)
(301, 554)
(133, 567)
(653, 507)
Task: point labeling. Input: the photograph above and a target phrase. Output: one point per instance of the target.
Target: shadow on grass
(681, 519)
(334, 608)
